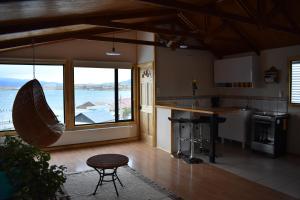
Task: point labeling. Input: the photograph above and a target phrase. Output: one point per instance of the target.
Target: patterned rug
(81, 186)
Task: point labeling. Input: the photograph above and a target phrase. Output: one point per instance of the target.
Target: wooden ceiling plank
(245, 6)
(199, 37)
(178, 5)
(284, 11)
(210, 35)
(243, 36)
(37, 24)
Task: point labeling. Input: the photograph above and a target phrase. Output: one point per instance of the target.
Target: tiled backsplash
(263, 104)
(257, 103)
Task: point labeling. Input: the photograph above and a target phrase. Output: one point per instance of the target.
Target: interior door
(146, 102)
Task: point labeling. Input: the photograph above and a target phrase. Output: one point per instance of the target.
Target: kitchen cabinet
(236, 127)
(236, 72)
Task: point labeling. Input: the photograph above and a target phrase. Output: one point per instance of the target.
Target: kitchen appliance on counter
(269, 130)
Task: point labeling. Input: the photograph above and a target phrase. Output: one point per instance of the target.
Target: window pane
(125, 96)
(94, 95)
(295, 82)
(13, 76)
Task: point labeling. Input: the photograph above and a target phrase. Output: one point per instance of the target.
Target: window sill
(82, 127)
(99, 126)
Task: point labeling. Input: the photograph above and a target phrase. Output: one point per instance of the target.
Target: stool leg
(201, 138)
(113, 179)
(100, 181)
(118, 178)
(102, 176)
(192, 142)
(179, 152)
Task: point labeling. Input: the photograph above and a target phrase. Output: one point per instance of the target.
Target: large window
(102, 95)
(13, 76)
(295, 82)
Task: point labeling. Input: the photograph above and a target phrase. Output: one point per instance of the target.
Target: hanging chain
(33, 59)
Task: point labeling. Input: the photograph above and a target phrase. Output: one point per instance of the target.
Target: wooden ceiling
(220, 26)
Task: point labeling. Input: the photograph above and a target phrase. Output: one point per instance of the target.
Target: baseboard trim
(90, 144)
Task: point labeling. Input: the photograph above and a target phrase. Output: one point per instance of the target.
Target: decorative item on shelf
(113, 51)
(271, 75)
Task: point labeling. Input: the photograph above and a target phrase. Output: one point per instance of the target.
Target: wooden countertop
(207, 111)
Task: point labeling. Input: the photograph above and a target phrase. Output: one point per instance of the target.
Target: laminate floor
(198, 181)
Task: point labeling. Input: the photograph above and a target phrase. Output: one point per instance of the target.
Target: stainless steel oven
(269, 133)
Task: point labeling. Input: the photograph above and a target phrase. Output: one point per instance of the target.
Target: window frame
(25, 61)
(68, 91)
(290, 62)
(103, 65)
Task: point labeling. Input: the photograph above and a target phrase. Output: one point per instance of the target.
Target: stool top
(107, 161)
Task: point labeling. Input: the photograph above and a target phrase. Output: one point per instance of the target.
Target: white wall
(145, 53)
(85, 50)
(175, 71)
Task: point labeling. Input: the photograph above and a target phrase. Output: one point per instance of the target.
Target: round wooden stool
(102, 162)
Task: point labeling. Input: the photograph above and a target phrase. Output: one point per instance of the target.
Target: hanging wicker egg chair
(33, 119)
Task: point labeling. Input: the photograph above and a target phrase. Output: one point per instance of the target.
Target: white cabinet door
(234, 70)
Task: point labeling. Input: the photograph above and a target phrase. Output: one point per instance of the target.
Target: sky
(54, 73)
(85, 75)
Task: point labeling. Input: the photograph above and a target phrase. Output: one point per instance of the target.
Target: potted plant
(6, 189)
(28, 171)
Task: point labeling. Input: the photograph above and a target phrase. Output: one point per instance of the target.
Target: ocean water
(55, 100)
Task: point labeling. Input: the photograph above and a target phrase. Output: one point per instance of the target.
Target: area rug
(136, 186)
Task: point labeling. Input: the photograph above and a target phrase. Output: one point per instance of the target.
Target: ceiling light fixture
(113, 51)
(183, 46)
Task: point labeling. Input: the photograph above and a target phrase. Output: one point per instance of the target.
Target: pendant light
(113, 51)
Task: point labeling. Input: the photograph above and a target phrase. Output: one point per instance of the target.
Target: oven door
(263, 134)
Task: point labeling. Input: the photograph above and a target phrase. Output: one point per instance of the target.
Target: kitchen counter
(165, 131)
(202, 110)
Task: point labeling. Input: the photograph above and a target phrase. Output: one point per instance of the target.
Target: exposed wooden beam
(188, 23)
(179, 5)
(243, 36)
(50, 37)
(92, 31)
(43, 23)
(199, 37)
(141, 27)
(132, 41)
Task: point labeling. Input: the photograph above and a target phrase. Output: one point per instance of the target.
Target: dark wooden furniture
(102, 162)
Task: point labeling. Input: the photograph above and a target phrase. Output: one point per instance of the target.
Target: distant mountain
(108, 85)
(17, 83)
(128, 82)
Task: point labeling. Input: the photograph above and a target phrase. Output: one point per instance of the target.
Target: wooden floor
(200, 181)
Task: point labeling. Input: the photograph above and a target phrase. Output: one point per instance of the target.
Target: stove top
(271, 114)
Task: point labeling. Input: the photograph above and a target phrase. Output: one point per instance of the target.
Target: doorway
(147, 102)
